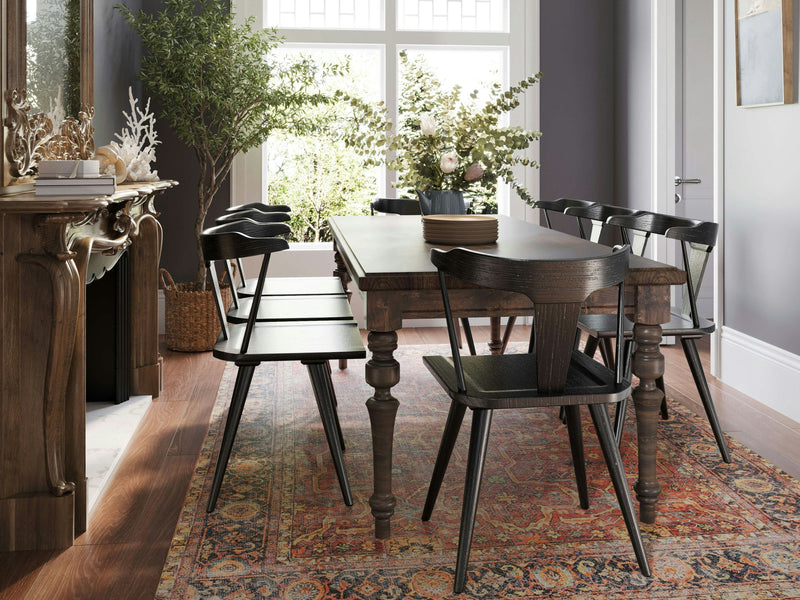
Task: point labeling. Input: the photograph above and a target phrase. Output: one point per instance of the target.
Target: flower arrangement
(442, 143)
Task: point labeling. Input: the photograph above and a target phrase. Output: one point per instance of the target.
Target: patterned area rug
(281, 530)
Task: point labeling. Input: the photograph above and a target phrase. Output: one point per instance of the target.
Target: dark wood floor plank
(19, 570)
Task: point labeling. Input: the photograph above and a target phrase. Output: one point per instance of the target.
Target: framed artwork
(763, 52)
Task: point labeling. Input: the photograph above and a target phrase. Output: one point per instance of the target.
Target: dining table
(387, 260)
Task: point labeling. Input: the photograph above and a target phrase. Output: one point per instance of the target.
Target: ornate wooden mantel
(49, 248)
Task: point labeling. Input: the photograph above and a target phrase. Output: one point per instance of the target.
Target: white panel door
(694, 122)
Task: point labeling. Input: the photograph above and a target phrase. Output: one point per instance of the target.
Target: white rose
(449, 162)
(427, 124)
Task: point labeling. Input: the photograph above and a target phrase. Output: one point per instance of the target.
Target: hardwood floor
(122, 553)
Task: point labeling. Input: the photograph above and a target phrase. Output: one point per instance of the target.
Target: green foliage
(443, 143)
(220, 87)
(319, 177)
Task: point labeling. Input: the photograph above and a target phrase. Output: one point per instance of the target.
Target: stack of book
(73, 178)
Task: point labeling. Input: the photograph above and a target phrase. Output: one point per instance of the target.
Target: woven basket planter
(191, 321)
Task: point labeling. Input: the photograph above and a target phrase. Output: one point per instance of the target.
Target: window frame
(248, 174)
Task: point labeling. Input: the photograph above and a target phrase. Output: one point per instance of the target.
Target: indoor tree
(222, 89)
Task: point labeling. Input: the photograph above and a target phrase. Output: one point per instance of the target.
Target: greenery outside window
(470, 43)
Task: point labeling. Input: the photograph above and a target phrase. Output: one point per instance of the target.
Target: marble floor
(109, 428)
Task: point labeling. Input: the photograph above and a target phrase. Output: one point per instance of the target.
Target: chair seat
(303, 341)
(294, 308)
(294, 286)
(603, 326)
(510, 381)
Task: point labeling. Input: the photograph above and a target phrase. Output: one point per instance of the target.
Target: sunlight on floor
(109, 428)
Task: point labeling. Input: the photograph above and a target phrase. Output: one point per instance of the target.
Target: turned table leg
(382, 373)
(648, 365)
(495, 336)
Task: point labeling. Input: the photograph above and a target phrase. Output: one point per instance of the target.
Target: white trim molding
(764, 372)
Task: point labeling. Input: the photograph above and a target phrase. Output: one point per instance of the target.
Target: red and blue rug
(281, 530)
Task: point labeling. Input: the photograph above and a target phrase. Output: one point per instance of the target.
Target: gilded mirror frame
(14, 81)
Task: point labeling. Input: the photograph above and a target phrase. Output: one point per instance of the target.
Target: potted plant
(443, 145)
(222, 90)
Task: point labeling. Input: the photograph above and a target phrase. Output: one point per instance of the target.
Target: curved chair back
(259, 206)
(558, 206)
(557, 289)
(596, 215)
(395, 206)
(254, 215)
(697, 239)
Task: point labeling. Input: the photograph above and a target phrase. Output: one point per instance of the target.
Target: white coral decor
(138, 141)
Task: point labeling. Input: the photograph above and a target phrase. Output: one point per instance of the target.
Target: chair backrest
(696, 238)
(395, 206)
(558, 206)
(557, 288)
(259, 206)
(230, 245)
(252, 229)
(596, 215)
(255, 215)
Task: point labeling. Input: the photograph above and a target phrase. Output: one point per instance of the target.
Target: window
(470, 43)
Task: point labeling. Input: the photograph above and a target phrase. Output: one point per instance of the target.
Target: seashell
(108, 157)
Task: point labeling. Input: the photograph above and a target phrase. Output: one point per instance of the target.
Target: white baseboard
(764, 372)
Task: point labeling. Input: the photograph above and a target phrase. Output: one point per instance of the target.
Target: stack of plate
(459, 230)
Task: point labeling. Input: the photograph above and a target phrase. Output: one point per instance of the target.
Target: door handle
(679, 180)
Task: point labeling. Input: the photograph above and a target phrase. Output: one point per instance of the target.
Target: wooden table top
(389, 252)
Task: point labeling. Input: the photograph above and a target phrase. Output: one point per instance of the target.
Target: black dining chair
(279, 306)
(696, 240)
(277, 286)
(251, 343)
(554, 374)
(395, 206)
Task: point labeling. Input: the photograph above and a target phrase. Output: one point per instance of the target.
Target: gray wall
(577, 101)
(633, 135)
(116, 64)
(762, 211)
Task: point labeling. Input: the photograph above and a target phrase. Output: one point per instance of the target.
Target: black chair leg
(320, 381)
(591, 346)
(332, 393)
(607, 352)
(244, 376)
(622, 407)
(453, 424)
(663, 410)
(573, 417)
(468, 336)
(602, 425)
(478, 443)
(693, 358)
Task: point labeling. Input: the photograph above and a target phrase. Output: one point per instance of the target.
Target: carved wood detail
(64, 281)
(32, 138)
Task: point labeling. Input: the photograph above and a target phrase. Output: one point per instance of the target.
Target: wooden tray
(459, 229)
